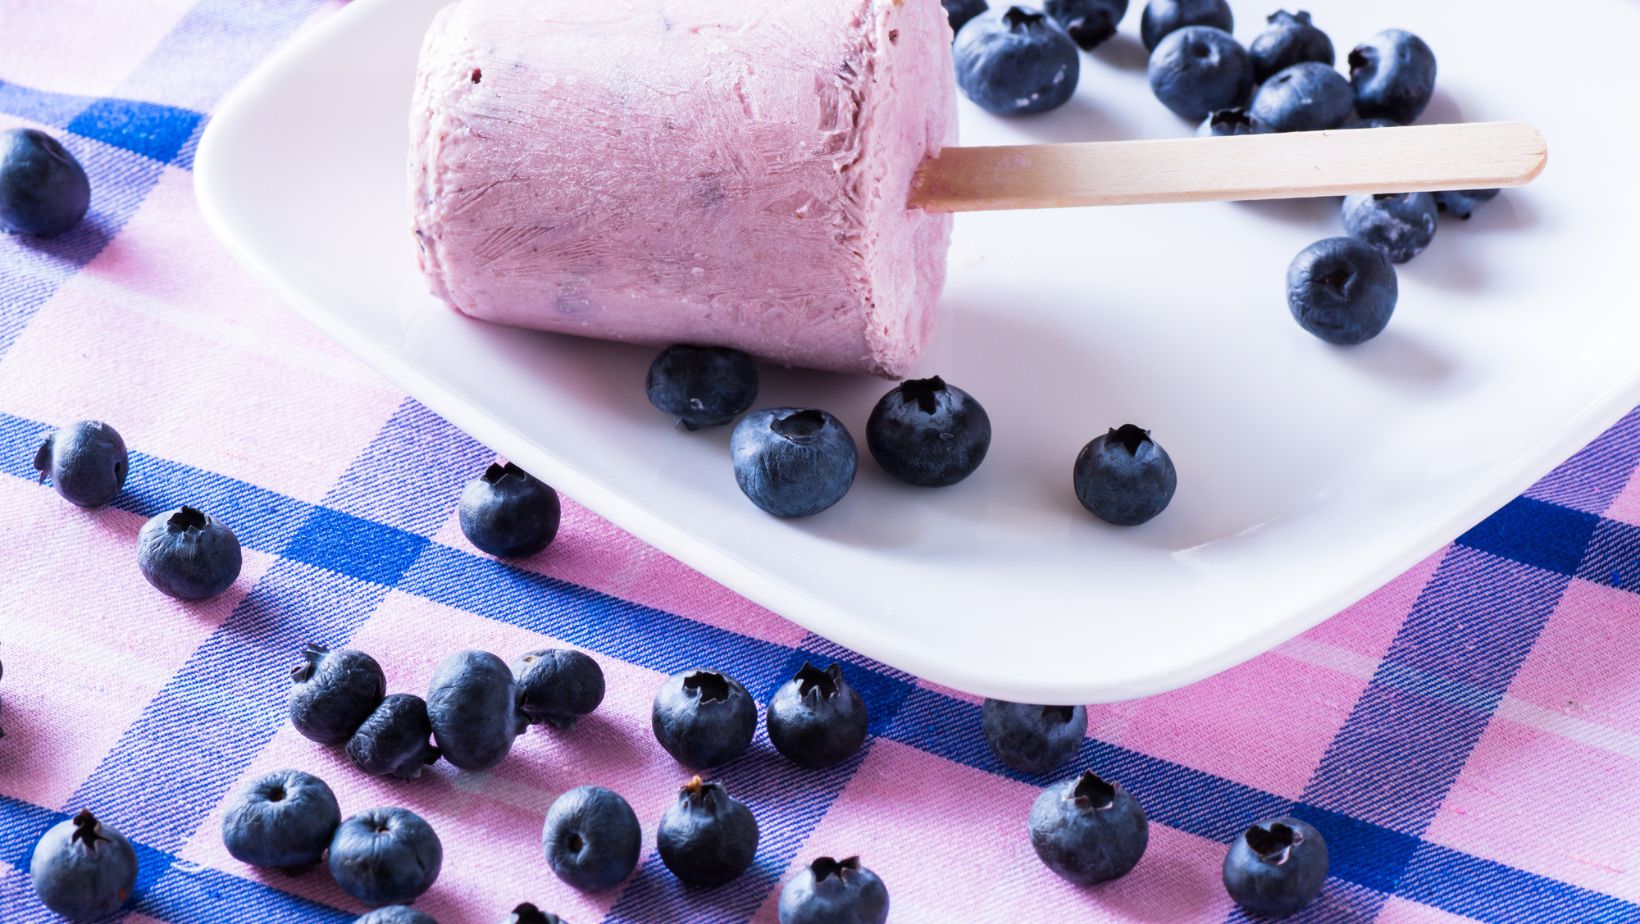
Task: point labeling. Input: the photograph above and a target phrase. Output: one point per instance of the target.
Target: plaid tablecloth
(1468, 738)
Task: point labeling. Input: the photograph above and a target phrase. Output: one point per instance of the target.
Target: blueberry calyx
(1358, 60)
(1130, 437)
(924, 392)
(527, 913)
(708, 686)
(1091, 792)
(1019, 17)
(821, 684)
(498, 472)
(1230, 119)
(42, 456)
(312, 654)
(825, 867)
(85, 831)
(1275, 844)
(701, 794)
(1059, 714)
(801, 428)
(185, 519)
(1338, 281)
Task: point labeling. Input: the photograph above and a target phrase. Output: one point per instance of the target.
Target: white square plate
(1308, 475)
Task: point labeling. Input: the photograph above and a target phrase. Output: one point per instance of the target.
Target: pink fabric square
(1626, 508)
(1586, 664)
(1369, 626)
(1400, 911)
(109, 41)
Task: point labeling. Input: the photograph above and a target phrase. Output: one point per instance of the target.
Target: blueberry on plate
(1088, 830)
(1199, 69)
(591, 838)
(1016, 61)
(43, 189)
(830, 891)
(1088, 22)
(281, 820)
(816, 719)
(1033, 739)
(1393, 74)
(791, 462)
(1162, 17)
(703, 718)
(556, 686)
(83, 869)
(395, 914)
(385, 856)
(1306, 97)
(1224, 123)
(472, 703)
(86, 462)
(1124, 477)
(1401, 225)
(527, 913)
(1276, 867)
(509, 514)
(333, 692)
(393, 741)
(925, 432)
(188, 555)
(1463, 202)
(707, 837)
(959, 12)
(701, 386)
(1290, 39)
(1342, 290)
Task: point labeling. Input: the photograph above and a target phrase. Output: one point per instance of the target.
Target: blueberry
(83, 869)
(558, 685)
(1463, 202)
(508, 513)
(701, 386)
(1342, 290)
(831, 891)
(707, 837)
(1290, 39)
(1394, 75)
(1306, 97)
(333, 692)
(1124, 477)
(86, 462)
(1199, 69)
(1228, 122)
(1088, 22)
(1164, 16)
(188, 555)
(396, 914)
(928, 433)
(816, 719)
(1401, 225)
(43, 189)
(793, 463)
(703, 718)
(959, 12)
(282, 820)
(1276, 867)
(1033, 739)
(393, 739)
(473, 705)
(591, 838)
(385, 856)
(527, 913)
(1088, 830)
(1016, 61)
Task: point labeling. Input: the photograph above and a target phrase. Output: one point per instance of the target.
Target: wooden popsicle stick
(1424, 158)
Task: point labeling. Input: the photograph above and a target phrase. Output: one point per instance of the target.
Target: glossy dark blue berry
(281, 820)
(1089, 23)
(1087, 830)
(701, 386)
(1463, 202)
(333, 692)
(1290, 39)
(86, 462)
(703, 718)
(508, 513)
(43, 189)
(188, 555)
(527, 913)
(1162, 17)
(1307, 97)
(1394, 75)
(1033, 739)
(1197, 70)
(83, 869)
(591, 838)
(707, 837)
(1401, 225)
(556, 686)
(393, 741)
(385, 856)
(1124, 477)
(1229, 122)
(1016, 61)
(959, 12)
(473, 705)
(1342, 290)
(792, 462)
(830, 891)
(925, 432)
(396, 914)
(816, 719)
(1276, 867)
